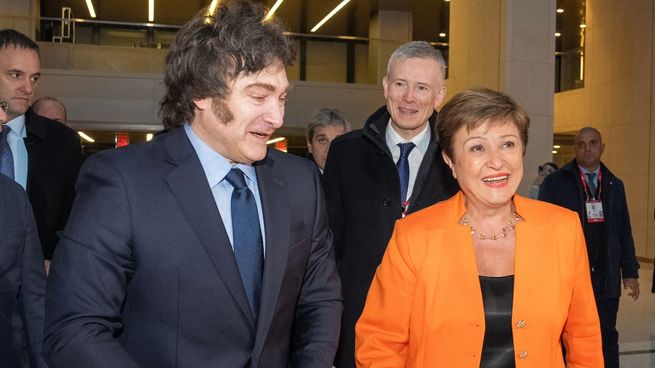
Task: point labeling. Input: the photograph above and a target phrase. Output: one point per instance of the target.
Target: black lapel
(274, 193)
(34, 144)
(188, 184)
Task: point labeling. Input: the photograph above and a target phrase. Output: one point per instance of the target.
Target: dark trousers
(607, 311)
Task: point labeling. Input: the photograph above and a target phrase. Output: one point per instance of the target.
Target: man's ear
(203, 103)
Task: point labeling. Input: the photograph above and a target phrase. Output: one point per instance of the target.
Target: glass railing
(319, 58)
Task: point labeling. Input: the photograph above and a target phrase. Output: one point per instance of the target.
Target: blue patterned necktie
(247, 238)
(591, 183)
(6, 157)
(403, 169)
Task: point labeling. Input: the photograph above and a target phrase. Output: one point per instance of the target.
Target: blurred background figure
(545, 169)
(45, 156)
(326, 125)
(585, 185)
(51, 108)
(3, 112)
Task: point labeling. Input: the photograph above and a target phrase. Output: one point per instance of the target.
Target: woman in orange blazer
(486, 278)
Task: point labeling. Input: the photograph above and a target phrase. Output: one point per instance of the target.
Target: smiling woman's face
(488, 163)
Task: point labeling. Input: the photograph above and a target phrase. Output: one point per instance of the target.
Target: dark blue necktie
(247, 238)
(403, 169)
(6, 157)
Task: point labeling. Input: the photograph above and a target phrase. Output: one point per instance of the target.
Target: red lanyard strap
(599, 190)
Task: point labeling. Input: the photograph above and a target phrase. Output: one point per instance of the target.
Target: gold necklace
(502, 234)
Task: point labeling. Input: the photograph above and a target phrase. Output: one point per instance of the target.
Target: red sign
(122, 139)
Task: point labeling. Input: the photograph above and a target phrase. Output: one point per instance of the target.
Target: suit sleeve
(91, 270)
(581, 334)
(382, 332)
(629, 263)
(33, 289)
(318, 313)
(332, 185)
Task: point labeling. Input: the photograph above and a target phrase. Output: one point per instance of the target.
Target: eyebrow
(266, 86)
(485, 138)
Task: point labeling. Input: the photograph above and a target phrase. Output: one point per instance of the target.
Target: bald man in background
(51, 108)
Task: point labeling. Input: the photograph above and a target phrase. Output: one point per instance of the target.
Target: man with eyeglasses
(22, 291)
(45, 156)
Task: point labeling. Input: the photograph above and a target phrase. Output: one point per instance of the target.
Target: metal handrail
(173, 26)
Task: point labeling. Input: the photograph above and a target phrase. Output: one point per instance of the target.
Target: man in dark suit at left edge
(201, 248)
(46, 154)
(22, 277)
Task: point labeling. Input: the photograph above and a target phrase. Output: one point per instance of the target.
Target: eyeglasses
(4, 106)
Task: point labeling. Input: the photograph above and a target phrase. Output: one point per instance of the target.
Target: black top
(497, 297)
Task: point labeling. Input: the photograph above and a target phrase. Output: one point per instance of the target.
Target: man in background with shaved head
(586, 185)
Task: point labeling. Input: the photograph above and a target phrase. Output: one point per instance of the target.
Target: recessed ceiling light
(151, 10)
(330, 15)
(273, 9)
(560, 10)
(556, 146)
(554, 152)
(86, 137)
(212, 8)
(275, 140)
(583, 25)
(442, 34)
(557, 34)
(92, 11)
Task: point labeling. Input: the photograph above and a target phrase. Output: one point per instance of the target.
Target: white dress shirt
(421, 141)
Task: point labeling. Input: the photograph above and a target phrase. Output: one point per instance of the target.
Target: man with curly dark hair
(201, 248)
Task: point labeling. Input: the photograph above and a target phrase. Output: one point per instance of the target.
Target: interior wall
(130, 101)
(508, 45)
(19, 15)
(618, 100)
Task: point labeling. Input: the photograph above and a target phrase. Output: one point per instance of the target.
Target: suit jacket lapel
(34, 144)
(275, 206)
(188, 184)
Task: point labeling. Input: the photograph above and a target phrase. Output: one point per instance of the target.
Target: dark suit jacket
(564, 188)
(54, 158)
(145, 274)
(22, 280)
(363, 196)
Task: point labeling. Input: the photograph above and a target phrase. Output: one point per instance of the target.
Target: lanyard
(599, 190)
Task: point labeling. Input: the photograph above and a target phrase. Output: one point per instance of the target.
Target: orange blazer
(424, 307)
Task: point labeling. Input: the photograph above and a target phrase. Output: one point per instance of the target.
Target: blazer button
(386, 202)
(523, 354)
(520, 323)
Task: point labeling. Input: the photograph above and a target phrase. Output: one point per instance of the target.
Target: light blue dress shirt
(216, 168)
(16, 140)
(421, 141)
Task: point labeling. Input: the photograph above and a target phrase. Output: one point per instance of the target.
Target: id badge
(595, 211)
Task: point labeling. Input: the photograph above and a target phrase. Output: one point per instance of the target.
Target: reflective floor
(636, 324)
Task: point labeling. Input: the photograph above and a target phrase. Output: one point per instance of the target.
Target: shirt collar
(17, 125)
(585, 171)
(421, 140)
(213, 163)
